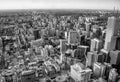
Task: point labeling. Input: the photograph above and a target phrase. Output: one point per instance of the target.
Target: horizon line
(57, 9)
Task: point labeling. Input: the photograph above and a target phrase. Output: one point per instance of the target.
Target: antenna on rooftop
(117, 13)
(114, 11)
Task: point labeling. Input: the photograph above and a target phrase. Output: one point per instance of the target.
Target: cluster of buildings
(40, 47)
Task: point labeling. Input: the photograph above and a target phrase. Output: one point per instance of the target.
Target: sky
(59, 4)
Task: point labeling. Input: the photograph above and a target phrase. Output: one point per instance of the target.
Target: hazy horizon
(59, 4)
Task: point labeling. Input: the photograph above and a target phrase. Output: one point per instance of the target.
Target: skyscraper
(63, 46)
(73, 37)
(112, 33)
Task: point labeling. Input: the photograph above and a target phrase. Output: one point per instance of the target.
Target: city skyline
(59, 4)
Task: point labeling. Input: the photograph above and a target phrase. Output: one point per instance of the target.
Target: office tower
(83, 50)
(51, 32)
(2, 61)
(93, 57)
(63, 46)
(114, 43)
(99, 45)
(82, 39)
(57, 33)
(95, 28)
(113, 75)
(73, 37)
(88, 29)
(28, 76)
(98, 69)
(79, 73)
(1, 44)
(115, 57)
(66, 35)
(105, 53)
(96, 45)
(43, 32)
(107, 70)
(112, 34)
(100, 57)
(97, 33)
(117, 45)
(93, 45)
(1, 52)
(90, 59)
(36, 34)
(79, 53)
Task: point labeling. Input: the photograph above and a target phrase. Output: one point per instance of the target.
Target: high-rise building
(115, 57)
(79, 73)
(88, 29)
(1, 44)
(113, 75)
(96, 45)
(63, 46)
(66, 34)
(52, 32)
(93, 57)
(28, 76)
(112, 34)
(73, 37)
(36, 34)
(57, 33)
(98, 70)
(90, 59)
